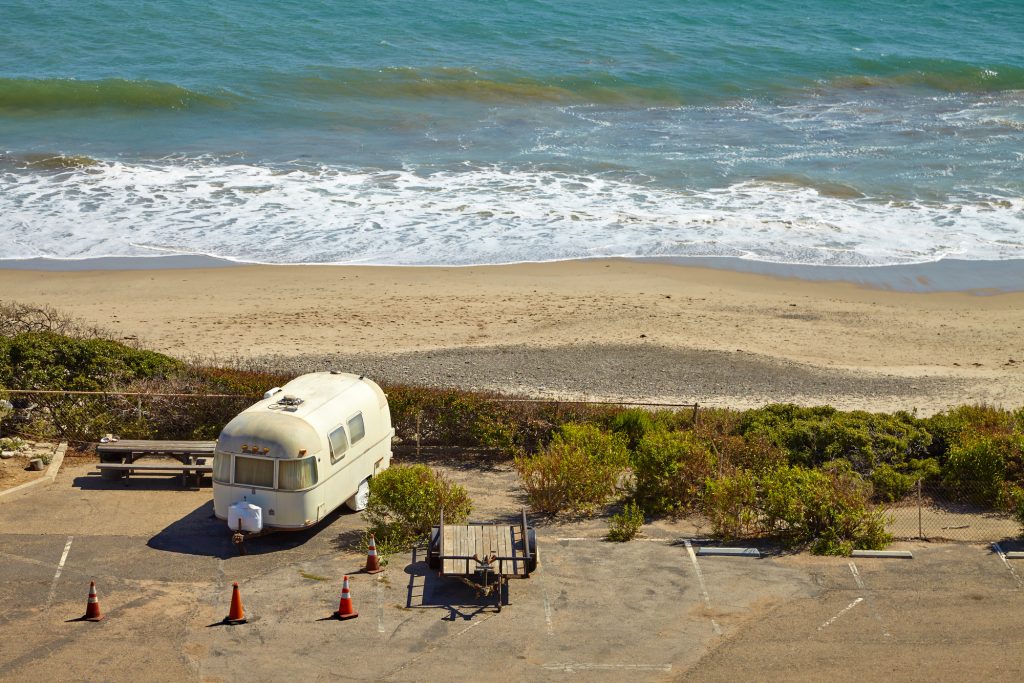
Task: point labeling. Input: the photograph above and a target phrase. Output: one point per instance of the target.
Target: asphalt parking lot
(649, 610)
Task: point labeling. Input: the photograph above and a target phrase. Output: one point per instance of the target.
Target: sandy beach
(611, 329)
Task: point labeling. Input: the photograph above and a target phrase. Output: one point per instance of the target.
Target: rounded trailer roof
(284, 435)
(287, 422)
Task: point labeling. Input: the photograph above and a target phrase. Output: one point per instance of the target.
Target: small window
(222, 468)
(254, 471)
(295, 475)
(356, 428)
(339, 444)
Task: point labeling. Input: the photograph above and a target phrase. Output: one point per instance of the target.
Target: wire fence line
(932, 511)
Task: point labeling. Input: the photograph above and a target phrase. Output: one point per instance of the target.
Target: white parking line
(703, 588)
(1002, 556)
(380, 606)
(874, 612)
(856, 576)
(842, 612)
(60, 568)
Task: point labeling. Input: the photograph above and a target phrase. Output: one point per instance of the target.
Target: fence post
(140, 410)
(695, 414)
(920, 532)
(419, 416)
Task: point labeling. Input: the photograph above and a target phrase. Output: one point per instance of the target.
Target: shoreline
(607, 329)
(980, 277)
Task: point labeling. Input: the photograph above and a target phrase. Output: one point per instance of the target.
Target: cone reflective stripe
(92, 607)
(345, 608)
(372, 560)
(236, 615)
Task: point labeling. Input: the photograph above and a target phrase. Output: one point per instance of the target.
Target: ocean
(821, 132)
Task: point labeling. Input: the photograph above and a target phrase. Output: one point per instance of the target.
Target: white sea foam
(473, 216)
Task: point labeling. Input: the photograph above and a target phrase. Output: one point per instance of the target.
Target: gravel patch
(644, 372)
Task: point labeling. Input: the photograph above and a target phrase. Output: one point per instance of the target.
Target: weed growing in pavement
(625, 525)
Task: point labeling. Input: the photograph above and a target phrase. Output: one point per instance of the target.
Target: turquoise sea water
(823, 132)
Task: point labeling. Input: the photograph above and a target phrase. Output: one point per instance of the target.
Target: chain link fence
(931, 511)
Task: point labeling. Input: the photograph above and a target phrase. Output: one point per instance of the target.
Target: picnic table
(118, 459)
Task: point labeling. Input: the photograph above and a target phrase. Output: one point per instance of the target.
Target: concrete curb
(51, 472)
(896, 554)
(728, 552)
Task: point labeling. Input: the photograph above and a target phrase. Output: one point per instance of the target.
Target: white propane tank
(248, 515)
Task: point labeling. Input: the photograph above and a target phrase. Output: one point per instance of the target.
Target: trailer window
(356, 428)
(294, 475)
(339, 444)
(222, 467)
(254, 471)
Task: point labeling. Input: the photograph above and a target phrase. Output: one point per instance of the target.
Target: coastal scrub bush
(977, 467)
(407, 500)
(731, 504)
(625, 525)
(670, 469)
(45, 360)
(633, 424)
(813, 436)
(951, 427)
(891, 485)
(826, 509)
(579, 470)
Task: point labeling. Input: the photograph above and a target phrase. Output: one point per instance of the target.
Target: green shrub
(731, 504)
(813, 436)
(1015, 503)
(891, 485)
(977, 466)
(625, 525)
(633, 424)
(579, 470)
(670, 469)
(45, 360)
(827, 509)
(951, 427)
(407, 500)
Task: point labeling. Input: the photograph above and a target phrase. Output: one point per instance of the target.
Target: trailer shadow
(427, 590)
(201, 533)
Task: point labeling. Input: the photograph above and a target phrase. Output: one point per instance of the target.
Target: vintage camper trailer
(306, 448)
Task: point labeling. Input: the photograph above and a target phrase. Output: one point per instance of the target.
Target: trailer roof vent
(335, 372)
(289, 403)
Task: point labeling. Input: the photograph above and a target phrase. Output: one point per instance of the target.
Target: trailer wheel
(358, 501)
(531, 539)
(434, 550)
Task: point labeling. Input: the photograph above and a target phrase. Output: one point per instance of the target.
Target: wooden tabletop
(168, 447)
(483, 540)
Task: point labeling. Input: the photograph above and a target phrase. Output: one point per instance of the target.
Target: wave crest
(65, 94)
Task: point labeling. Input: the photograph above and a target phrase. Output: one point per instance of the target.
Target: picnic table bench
(118, 458)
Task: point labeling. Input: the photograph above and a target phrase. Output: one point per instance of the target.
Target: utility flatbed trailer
(117, 458)
(484, 555)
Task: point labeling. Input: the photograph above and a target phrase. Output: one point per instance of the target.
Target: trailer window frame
(234, 472)
(223, 456)
(338, 454)
(298, 462)
(353, 439)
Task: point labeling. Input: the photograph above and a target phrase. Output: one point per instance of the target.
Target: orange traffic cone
(372, 560)
(92, 607)
(236, 615)
(345, 609)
